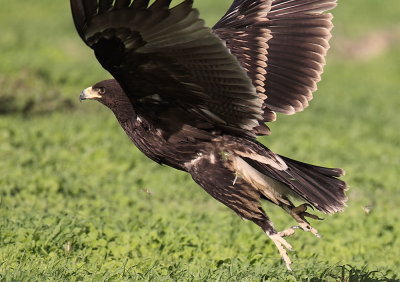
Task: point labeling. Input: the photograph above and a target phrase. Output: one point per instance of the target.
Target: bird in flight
(195, 98)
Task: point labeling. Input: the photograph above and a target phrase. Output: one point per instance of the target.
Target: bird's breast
(158, 145)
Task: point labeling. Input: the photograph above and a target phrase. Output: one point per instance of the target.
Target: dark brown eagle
(195, 98)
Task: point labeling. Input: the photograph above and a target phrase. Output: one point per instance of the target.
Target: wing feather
(140, 4)
(122, 4)
(300, 40)
(105, 5)
(168, 51)
(287, 65)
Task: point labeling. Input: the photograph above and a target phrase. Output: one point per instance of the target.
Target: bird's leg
(287, 232)
(282, 246)
(299, 214)
(278, 238)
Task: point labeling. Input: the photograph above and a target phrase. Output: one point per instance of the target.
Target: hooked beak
(89, 94)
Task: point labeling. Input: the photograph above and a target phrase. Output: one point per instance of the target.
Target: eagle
(196, 98)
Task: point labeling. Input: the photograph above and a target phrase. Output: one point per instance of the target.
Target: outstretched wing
(158, 51)
(282, 44)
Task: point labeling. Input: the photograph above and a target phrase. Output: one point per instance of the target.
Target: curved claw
(313, 216)
(299, 214)
(309, 206)
(308, 228)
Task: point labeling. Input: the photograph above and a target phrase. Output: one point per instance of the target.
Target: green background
(78, 202)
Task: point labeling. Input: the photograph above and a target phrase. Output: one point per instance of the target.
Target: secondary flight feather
(194, 98)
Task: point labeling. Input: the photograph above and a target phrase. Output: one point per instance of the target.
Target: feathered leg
(233, 191)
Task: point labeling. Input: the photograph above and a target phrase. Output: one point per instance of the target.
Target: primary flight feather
(195, 98)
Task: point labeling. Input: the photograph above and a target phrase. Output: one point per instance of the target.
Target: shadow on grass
(349, 273)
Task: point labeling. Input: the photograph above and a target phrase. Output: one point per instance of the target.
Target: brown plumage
(195, 98)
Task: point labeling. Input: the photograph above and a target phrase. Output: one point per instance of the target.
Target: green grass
(79, 203)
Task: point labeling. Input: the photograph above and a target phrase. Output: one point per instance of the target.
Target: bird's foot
(299, 214)
(287, 232)
(282, 246)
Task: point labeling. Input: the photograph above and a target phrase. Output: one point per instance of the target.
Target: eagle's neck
(123, 111)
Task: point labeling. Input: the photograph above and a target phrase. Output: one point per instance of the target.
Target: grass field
(78, 202)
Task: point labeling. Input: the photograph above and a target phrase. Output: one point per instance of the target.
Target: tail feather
(317, 185)
(334, 172)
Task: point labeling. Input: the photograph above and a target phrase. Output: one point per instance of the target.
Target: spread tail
(317, 185)
(320, 186)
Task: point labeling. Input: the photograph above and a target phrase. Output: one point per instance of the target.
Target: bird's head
(106, 92)
(109, 93)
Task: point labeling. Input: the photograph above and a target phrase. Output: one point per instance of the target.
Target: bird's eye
(101, 90)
